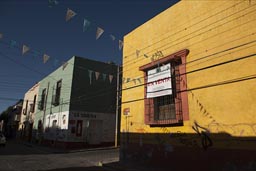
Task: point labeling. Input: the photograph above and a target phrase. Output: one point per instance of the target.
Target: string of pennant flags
(99, 32)
(70, 14)
(97, 75)
(26, 49)
(86, 24)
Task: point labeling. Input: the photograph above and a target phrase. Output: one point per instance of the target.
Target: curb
(59, 151)
(92, 149)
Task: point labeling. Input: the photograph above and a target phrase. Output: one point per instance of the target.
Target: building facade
(76, 106)
(13, 120)
(29, 109)
(188, 78)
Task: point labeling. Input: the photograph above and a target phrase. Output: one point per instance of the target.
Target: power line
(218, 35)
(201, 69)
(206, 86)
(222, 19)
(216, 53)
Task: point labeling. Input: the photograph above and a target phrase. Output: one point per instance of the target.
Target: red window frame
(182, 106)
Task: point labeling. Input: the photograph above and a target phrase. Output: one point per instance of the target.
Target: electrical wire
(246, 78)
(202, 28)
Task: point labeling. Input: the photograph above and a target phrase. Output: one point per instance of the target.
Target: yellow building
(188, 92)
(29, 109)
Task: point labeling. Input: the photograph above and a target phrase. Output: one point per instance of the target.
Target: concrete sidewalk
(105, 164)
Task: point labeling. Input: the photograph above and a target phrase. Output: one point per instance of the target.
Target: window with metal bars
(169, 106)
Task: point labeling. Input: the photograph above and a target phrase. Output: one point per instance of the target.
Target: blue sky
(44, 30)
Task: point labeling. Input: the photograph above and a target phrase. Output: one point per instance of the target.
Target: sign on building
(159, 81)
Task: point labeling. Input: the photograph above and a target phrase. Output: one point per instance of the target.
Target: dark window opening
(41, 104)
(56, 97)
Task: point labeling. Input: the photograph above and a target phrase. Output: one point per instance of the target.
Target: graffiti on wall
(155, 56)
(206, 141)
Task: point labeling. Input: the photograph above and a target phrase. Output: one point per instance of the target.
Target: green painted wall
(91, 94)
(64, 74)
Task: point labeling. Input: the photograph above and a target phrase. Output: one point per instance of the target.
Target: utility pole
(117, 105)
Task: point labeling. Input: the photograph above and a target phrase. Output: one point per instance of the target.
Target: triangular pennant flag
(205, 111)
(52, 3)
(146, 56)
(13, 43)
(99, 32)
(1, 35)
(90, 75)
(201, 108)
(86, 25)
(123, 80)
(110, 78)
(25, 49)
(45, 58)
(137, 53)
(134, 80)
(104, 76)
(64, 65)
(70, 14)
(112, 37)
(139, 80)
(97, 74)
(120, 44)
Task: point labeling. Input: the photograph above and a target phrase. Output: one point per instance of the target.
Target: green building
(77, 104)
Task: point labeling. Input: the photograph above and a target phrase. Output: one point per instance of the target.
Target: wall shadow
(93, 168)
(185, 151)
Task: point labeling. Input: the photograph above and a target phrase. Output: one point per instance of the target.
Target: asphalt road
(18, 156)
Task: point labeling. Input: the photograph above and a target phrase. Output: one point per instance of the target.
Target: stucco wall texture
(219, 34)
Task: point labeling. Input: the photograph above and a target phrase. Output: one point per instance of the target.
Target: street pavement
(19, 156)
(22, 156)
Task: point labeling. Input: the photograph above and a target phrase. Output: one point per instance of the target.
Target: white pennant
(86, 25)
(110, 78)
(70, 14)
(112, 37)
(99, 32)
(97, 74)
(120, 44)
(45, 58)
(25, 49)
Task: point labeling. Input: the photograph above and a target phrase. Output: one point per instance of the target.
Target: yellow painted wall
(204, 28)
